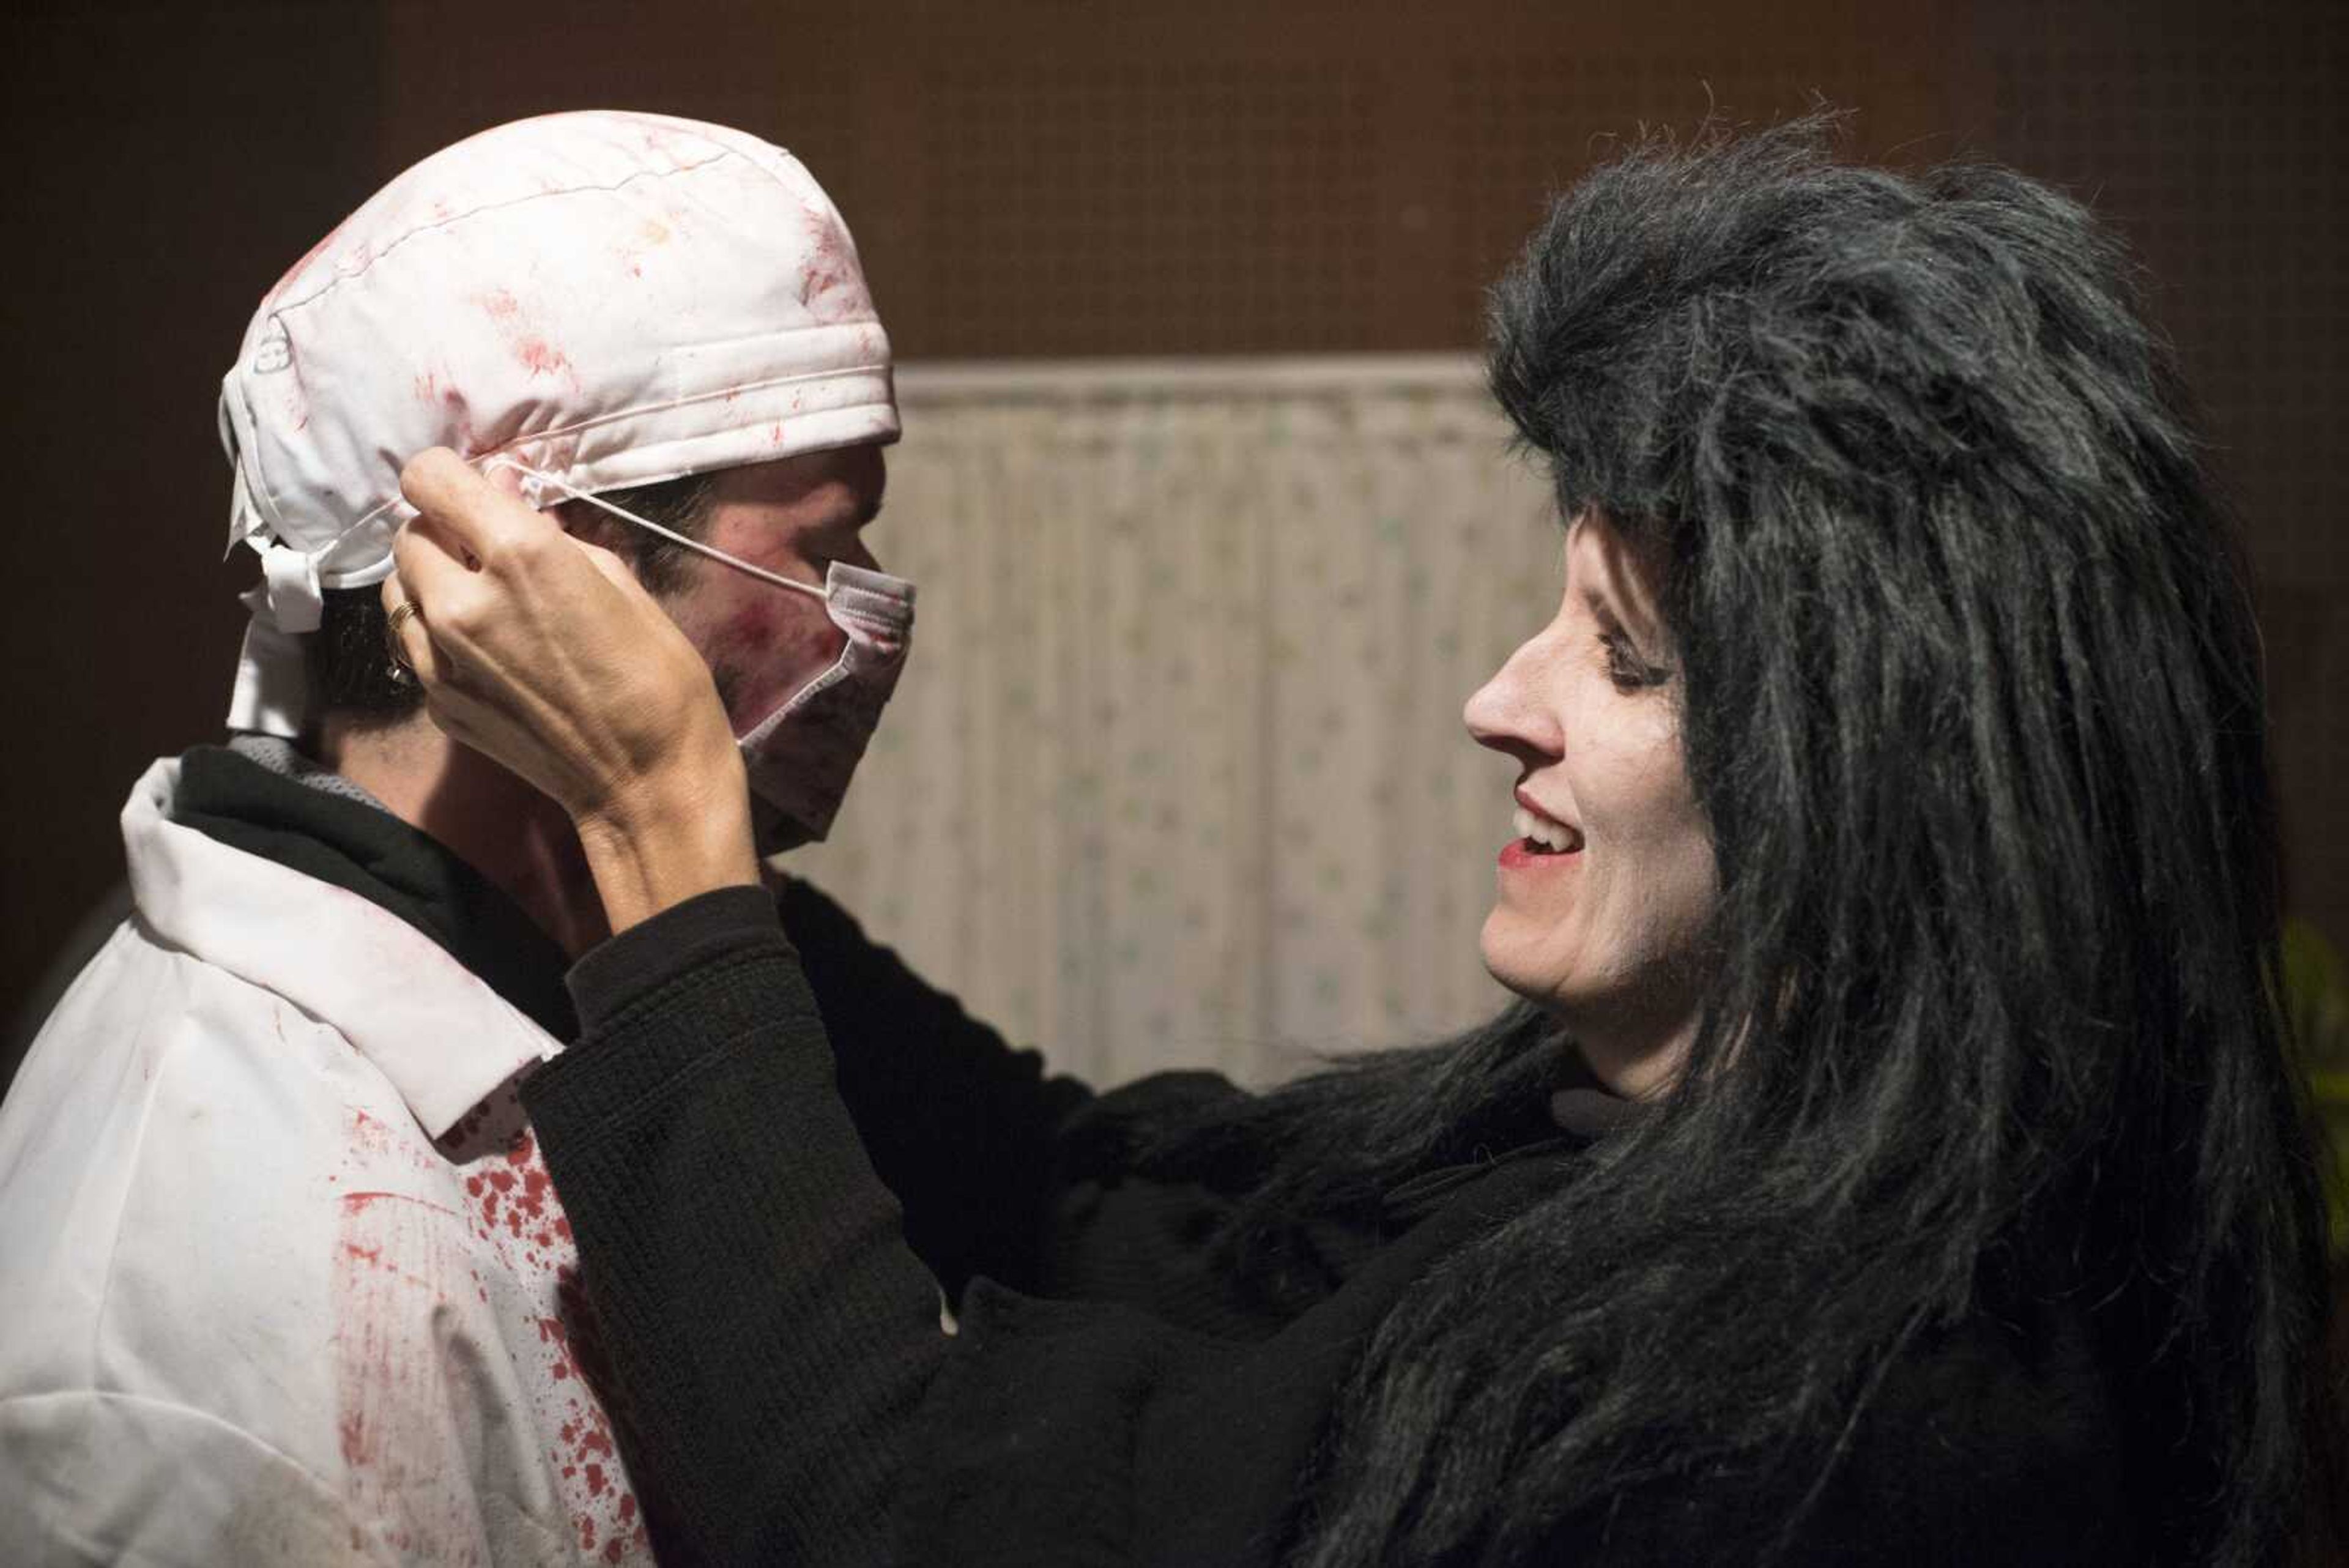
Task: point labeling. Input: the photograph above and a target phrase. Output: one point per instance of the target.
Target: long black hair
(1972, 700)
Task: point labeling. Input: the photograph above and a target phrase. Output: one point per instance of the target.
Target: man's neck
(517, 838)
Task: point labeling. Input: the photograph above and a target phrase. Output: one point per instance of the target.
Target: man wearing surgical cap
(285, 1275)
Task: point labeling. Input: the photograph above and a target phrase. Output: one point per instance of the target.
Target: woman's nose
(1504, 713)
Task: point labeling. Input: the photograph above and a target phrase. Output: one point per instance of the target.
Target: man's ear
(573, 516)
(576, 518)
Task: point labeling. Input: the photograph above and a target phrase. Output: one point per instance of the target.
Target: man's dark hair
(1972, 700)
(350, 668)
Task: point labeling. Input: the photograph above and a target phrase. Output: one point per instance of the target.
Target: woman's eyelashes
(1625, 667)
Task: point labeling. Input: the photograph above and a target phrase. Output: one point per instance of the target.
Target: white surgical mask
(801, 755)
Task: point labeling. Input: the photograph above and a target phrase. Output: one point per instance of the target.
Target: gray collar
(278, 756)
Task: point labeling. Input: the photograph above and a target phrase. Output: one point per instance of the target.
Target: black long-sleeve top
(774, 1157)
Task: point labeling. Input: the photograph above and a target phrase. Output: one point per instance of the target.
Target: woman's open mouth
(1539, 839)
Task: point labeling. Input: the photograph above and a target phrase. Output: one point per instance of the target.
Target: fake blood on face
(764, 648)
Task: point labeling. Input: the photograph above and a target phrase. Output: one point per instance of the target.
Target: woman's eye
(1625, 668)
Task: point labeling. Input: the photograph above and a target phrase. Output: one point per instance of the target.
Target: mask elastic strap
(671, 534)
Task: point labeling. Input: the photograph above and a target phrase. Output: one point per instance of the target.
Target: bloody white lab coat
(282, 1276)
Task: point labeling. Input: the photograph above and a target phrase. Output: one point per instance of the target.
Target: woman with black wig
(1893, 1158)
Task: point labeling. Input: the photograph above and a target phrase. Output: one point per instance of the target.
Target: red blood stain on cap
(537, 356)
(541, 357)
(356, 1450)
(828, 282)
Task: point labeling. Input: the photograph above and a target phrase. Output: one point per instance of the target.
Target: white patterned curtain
(1176, 776)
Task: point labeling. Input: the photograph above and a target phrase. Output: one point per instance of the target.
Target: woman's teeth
(1554, 837)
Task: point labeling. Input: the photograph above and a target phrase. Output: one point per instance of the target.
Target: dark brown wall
(1041, 177)
(164, 163)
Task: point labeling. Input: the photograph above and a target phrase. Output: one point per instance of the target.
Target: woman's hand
(547, 656)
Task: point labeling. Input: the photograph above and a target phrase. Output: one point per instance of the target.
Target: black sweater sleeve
(774, 1346)
(779, 1296)
(960, 1126)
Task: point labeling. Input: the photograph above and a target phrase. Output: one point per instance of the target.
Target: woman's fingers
(407, 638)
(614, 569)
(548, 657)
(543, 652)
(469, 533)
(426, 565)
(484, 521)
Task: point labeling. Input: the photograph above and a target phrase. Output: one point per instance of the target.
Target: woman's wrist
(668, 838)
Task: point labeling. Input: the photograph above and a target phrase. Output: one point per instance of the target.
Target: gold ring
(401, 614)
